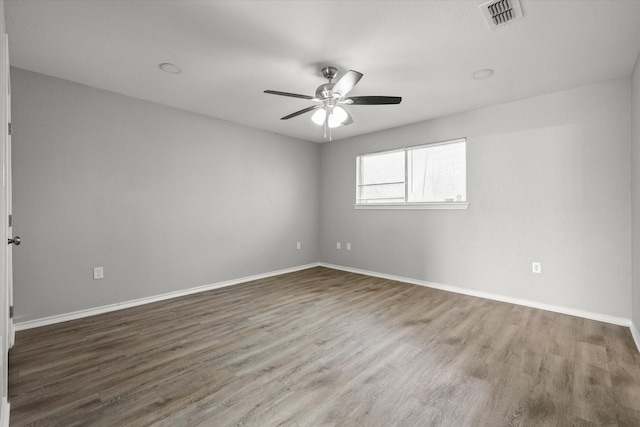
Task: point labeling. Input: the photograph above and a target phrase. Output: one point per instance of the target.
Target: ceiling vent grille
(499, 12)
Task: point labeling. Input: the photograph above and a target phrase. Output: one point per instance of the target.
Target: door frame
(6, 274)
(9, 192)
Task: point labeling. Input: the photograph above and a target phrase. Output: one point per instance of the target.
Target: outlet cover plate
(98, 273)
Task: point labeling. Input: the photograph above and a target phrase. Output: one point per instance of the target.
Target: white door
(9, 195)
(6, 274)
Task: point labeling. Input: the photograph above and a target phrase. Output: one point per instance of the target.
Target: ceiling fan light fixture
(339, 114)
(319, 116)
(334, 119)
(332, 122)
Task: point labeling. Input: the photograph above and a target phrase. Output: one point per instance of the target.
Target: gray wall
(163, 199)
(548, 181)
(2, 21)
(159, 198)
(635, 195)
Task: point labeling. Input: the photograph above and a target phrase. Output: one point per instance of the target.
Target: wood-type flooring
(322, 347)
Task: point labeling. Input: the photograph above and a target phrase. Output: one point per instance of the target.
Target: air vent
(498, 13)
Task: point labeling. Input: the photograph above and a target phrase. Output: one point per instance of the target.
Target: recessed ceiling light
(169, 68)
(483, 74)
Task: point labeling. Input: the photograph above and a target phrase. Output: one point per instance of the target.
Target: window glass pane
(382, 193)
(383, 167)
(437, 173)
(381, 177)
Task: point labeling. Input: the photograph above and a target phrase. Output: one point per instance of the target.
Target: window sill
(431, 205)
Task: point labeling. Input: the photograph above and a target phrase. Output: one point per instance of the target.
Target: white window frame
(411, 205)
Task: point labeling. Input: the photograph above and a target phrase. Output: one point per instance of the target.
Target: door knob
(16, 241)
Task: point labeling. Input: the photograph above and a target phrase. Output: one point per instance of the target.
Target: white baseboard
(528, 303)
(518, 301)
(636, 335)
(4, 412)
(19, 326)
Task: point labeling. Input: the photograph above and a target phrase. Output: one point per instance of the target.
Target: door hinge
(9, 128)
(11, 312)
(10, 220)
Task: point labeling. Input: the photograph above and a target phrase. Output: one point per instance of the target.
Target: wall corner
(635, 200)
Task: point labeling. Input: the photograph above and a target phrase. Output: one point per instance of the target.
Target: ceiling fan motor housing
(329, 73)
(325, 91)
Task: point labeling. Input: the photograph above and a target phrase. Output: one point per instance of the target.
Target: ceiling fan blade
(346, 82)
(293, 95)
(306, 110)
(348, 120)
(373, 100)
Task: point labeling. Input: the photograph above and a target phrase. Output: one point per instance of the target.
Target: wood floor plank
(593, 395)
(550, 399)
(562, 339)
(324, 347)
(627, 417)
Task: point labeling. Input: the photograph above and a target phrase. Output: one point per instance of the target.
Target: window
(425, 176)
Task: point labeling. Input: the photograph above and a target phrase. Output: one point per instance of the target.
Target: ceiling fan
(332, 96)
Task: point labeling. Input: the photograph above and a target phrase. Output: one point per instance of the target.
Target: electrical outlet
(537, 267)
(298, 245)
(98, 273)
(338, 245)
(348, 246)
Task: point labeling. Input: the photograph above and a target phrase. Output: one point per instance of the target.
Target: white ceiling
(230, 51)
